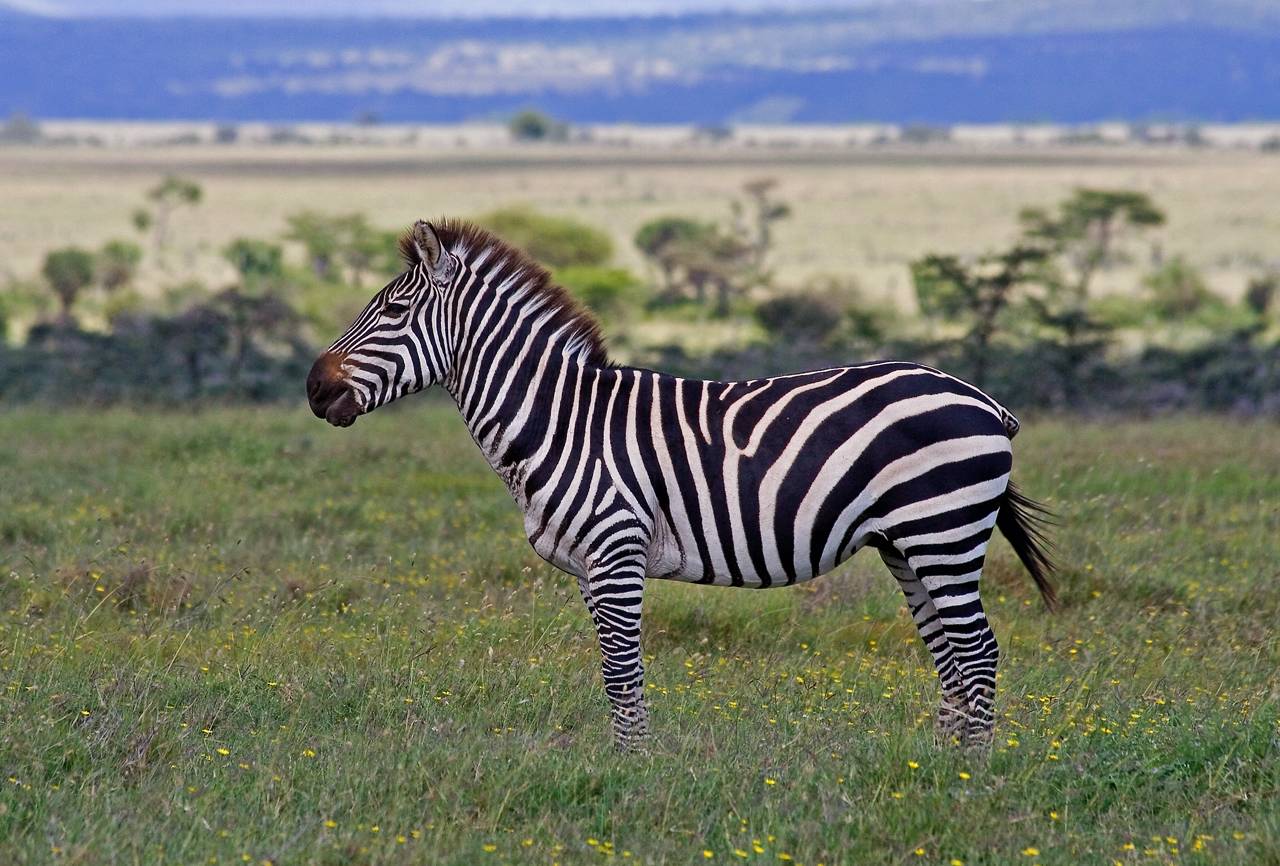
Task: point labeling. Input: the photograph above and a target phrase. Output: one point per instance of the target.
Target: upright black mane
(466, 239)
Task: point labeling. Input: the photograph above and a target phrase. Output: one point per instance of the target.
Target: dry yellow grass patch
(858, 212)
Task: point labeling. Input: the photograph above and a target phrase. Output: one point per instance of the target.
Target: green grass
(243, 636)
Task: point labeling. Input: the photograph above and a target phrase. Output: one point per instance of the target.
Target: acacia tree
(1087, 229)
(697, 260)
(765, 211)
(69, 272)
(716, 263)
(167, 197)
(976, 294)
(1080, 238)
(661, 239)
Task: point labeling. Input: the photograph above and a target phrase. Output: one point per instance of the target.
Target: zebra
(625, 474)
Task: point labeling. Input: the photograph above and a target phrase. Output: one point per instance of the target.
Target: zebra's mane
(505, 265)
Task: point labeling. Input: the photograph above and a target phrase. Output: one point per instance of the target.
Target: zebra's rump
(775, 481)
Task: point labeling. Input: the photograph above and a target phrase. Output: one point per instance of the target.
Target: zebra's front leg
(613, 598)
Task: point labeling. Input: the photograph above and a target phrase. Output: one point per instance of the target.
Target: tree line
(1025, 321)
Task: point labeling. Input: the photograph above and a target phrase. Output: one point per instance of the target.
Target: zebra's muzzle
(329, 395)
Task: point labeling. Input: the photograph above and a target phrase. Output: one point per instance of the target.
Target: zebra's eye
(395, 309)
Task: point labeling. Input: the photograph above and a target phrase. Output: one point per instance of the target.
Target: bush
(656, 235)
(1261, 294)
(20, 129)
(923, 133)
(533, 125)
(229, 346)
(606, 291)
(116, 264)
(1122, 311)
(254, 259)
(799, 317)
(558, 242)
(1178, 291)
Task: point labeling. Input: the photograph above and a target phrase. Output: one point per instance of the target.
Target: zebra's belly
(669, 559)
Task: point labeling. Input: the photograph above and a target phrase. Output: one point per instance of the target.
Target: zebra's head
(397, 345)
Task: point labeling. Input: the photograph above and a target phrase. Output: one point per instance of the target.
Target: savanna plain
(241, 636)
(236, 635)
(852, 211)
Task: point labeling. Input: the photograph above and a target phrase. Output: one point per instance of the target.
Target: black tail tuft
(1024, 522)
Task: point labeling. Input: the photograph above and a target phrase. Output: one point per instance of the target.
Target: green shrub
(606, 291)
(117, 263)
(531, 125)
(1178, 291)
(1121, 311)
(558, 242)
(799, 317)
(657, 234)
(1262, 292)
(255, 259)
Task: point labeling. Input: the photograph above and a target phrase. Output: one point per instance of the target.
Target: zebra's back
(774, 481)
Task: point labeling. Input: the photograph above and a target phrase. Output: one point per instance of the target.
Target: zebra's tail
(1025, 524)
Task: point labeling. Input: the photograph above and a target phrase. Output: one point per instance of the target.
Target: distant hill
(930, 62)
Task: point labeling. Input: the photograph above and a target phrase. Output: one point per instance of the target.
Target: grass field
(242, 636)
(855, 212)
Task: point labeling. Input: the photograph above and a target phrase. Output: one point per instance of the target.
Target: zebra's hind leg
(613, 599)
(948, 565)
(953, 711)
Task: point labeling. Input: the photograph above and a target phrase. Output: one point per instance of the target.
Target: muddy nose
(325, 383)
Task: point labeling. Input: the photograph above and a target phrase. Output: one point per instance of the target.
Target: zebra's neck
(520, 347)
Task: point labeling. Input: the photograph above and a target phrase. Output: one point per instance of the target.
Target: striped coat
(625, 474)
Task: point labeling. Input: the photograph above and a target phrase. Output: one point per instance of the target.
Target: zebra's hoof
(632, 747)
(949, 729)
(978, 739)
(632, 742)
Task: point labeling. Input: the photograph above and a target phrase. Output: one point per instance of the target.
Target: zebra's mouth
(342, 412)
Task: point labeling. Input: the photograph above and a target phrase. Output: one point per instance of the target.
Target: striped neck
(517, 340)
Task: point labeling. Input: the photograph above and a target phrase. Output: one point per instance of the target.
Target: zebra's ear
(422, 246)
